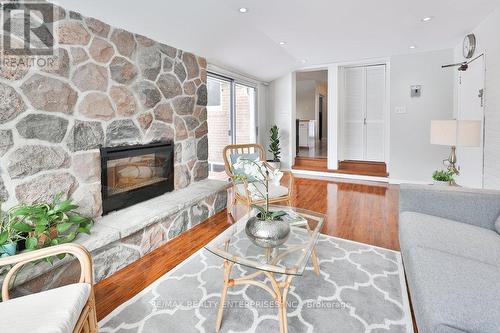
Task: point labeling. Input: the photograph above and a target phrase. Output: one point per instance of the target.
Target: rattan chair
(19, 314)
(240, 191)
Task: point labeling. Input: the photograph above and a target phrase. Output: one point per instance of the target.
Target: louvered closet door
(363, 113)
(375, 113)
(353, 114)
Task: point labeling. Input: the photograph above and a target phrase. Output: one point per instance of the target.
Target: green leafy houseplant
(47, 224)
(274, 147)
(8, 236)
(443, 176)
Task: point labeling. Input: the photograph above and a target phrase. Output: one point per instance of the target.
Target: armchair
(61, 310)
(240, 189)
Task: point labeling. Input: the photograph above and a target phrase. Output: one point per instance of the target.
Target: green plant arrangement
(48, 224)
(443, 176)
(274, 147)
(8, 236)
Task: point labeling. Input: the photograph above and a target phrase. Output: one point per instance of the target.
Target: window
(214, 88)
(245, 110)
(230, 117)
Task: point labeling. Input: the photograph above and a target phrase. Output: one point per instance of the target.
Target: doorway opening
(312, 119)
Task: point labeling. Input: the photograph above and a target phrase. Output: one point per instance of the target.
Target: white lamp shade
(444, 132)
(462, 133)
(469, 133)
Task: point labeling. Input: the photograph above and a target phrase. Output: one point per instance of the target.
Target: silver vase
(267, 234)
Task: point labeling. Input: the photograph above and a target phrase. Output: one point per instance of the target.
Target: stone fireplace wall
(112, 87)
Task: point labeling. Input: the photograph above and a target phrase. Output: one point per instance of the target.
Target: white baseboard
(357, 177)
(339, 175)
(404, 181)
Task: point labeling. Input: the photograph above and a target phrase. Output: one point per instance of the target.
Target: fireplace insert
(131, 174)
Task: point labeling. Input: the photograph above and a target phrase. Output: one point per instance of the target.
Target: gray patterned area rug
(361, 289)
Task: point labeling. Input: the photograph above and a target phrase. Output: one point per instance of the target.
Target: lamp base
(452, 161)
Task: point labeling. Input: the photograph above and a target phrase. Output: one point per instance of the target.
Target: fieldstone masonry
(111, 87)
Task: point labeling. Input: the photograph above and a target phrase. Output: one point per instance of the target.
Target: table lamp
(455, 133)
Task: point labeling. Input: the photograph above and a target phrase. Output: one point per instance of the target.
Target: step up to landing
(362, 168)
(368, 168)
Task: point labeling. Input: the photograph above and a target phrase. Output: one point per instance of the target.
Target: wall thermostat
(416, 91)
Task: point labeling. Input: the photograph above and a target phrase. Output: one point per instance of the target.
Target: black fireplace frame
(132, 197)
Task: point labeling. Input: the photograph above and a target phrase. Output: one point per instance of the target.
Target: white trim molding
(339, 175)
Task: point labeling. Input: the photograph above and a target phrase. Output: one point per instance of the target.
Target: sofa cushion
(52, 311)
(453, 294)
(463, 239)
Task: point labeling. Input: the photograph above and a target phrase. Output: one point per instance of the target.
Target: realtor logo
(27, 28)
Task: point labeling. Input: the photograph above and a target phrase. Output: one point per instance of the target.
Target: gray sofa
(451, 254)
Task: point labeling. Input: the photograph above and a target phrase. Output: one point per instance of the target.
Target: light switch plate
(400, 109)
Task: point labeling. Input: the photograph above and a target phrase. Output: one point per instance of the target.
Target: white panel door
(353, 114)
(470, 107)
(364, 113)
(375, 114)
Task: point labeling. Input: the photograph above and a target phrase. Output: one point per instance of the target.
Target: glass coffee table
(289, 259)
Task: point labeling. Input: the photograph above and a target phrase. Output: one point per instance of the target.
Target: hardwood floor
(363, 212)
(359, 211)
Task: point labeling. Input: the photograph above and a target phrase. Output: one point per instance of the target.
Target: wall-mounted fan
(469, 47)
(462, 66)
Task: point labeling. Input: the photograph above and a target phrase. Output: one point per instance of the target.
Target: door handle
(481, 96)
(364, 121)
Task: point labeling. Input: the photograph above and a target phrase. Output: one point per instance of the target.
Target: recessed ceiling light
(413, 47)
(427, 18)
(282, 43)
(243, 10)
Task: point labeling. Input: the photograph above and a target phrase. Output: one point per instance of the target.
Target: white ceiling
(320, 31)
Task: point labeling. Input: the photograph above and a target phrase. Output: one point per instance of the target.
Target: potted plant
(47, 224)
(8, 236)
(274, 148)
(443, 177)
(266, 229)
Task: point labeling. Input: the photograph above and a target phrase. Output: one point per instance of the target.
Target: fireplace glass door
(131, 173)
(137, 173)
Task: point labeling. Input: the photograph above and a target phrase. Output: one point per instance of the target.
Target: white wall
(306, 100)
(488, 42)
(282, 113)
(412, 157)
